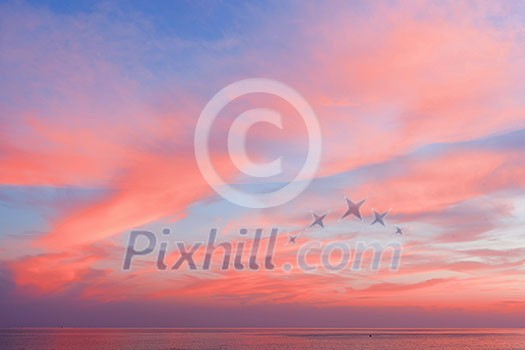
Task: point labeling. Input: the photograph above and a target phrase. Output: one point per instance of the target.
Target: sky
(421, 108)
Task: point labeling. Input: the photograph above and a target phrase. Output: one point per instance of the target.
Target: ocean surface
(252, 339)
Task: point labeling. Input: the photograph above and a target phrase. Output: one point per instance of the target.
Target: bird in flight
(399, 230)
(291, 238)
(379, 218)
(353, 208)
(318, 220)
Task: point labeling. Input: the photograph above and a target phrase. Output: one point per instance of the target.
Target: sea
(264, 339)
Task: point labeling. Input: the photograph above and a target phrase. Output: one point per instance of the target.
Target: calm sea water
(267, 339)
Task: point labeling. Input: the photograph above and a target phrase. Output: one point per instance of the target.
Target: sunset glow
(421, 107)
